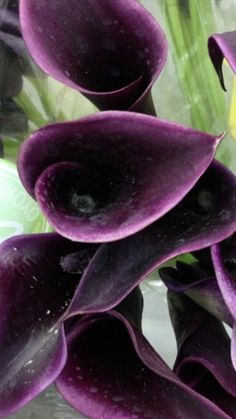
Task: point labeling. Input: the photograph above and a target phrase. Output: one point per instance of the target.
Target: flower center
(85, 204)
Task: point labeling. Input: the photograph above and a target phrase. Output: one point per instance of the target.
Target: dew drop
(28, 363)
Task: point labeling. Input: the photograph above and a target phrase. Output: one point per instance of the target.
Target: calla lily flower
(225, 274)
(38, 277)
(113, 372)
(210, 286)
(203, 360)
(199, 284)
(222, 46)
(12, 118)
(111, 174)
(112, 52)
(207, 215)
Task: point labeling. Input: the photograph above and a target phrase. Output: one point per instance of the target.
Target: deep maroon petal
(205, 216)
(35, 291)
(222, 46)
(203, 361)
(226, 274)
(111, 51)
(199, 285)
(109, 175)
(113, 372)
(225, 278)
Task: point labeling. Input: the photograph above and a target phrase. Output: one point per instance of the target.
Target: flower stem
(189, 23)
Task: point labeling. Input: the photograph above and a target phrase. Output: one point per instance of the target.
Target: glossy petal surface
(198, 284)
(225, 273)
(113, 372)
(222, 46)
(203, 360)
(109, 175)
(111, 51)
(205, 216)
(35, 291)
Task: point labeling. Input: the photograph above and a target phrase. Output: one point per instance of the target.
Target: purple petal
(137, 168)
(199, 285)
(225, 274)
(222, 46)
(233, 347)
(35, 292)
(225, 279)
(203, 361)
(205, 216)
(111, 51)
(113, 372)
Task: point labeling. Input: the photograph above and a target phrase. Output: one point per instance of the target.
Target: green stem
(31, 111)
(189, 23)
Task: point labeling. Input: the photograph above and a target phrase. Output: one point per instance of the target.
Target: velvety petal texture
(222, 46)
(225, 272)
(113, 372)
(111, 51)
(109, 175)
(205, 216)
(203, 361)
(36, 287)
(198, 284)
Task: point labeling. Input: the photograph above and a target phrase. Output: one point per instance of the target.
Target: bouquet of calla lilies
(124, 191)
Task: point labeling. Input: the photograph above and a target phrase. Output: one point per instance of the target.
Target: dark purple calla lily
(12, 49)
(222, 46)
(109, 175)
(205, 216)
(111, 51)
(212, 289)
(37, 283)
(203, 361)
(113, 372)
(225, 273)
(200, 285)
